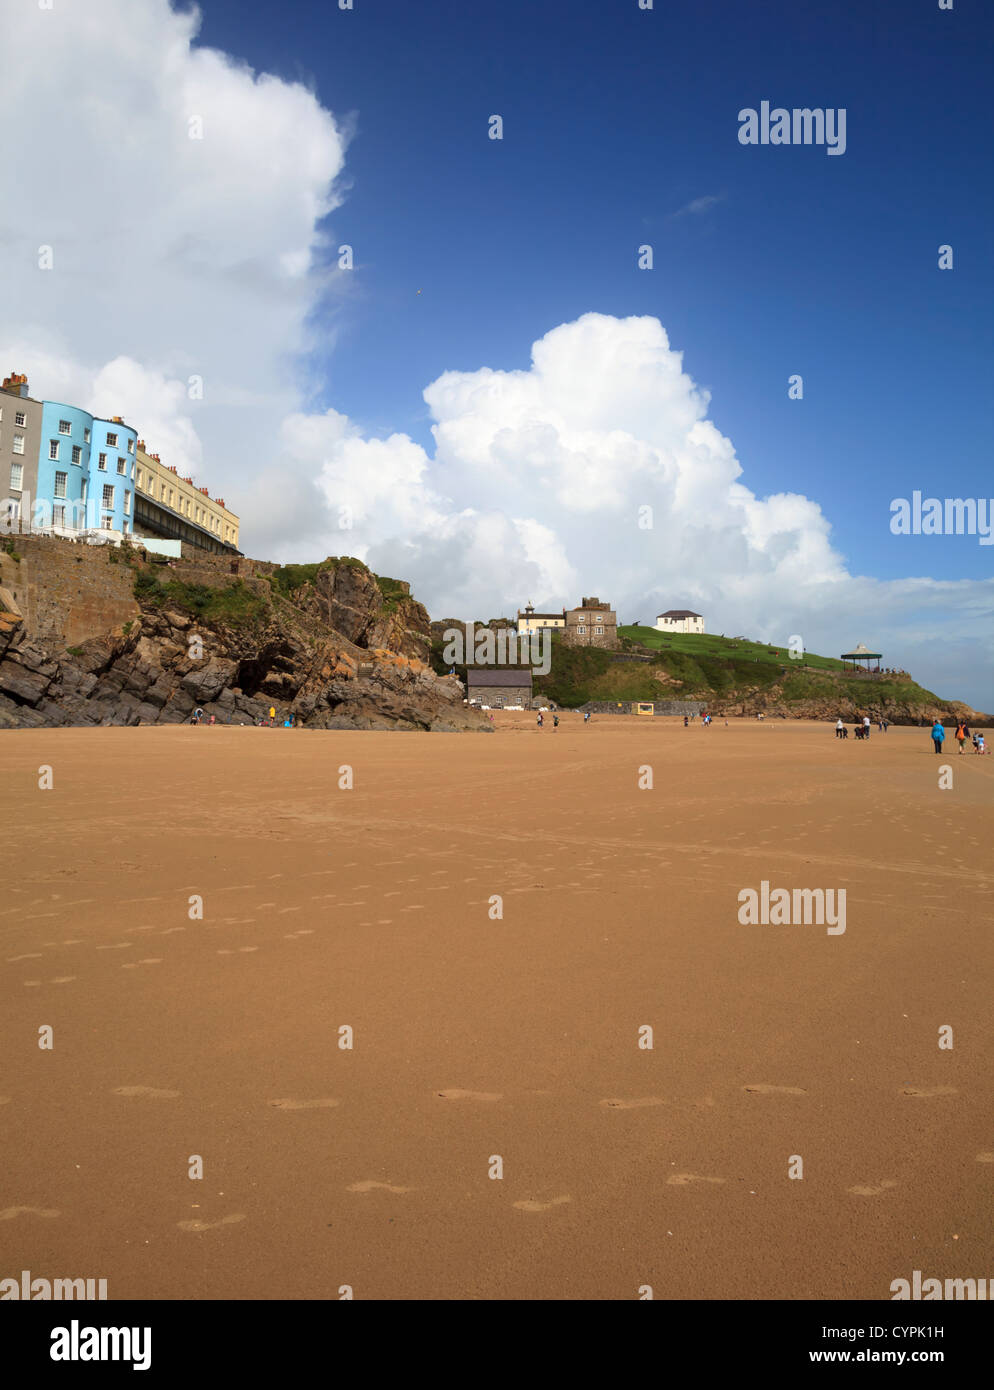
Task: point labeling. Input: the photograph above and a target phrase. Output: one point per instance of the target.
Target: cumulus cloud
(598, 471)
(172, 257)
(179, 258)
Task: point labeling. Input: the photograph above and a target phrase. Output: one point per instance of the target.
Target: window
(16, 476)
(86, 436)
(102, 462)
(127, 527)
(53, 448)
(107, 523)
(59, 514)
(60, 484)
(131, 446)
(112, 441)
(65, 427)
(18, 445)
(121, 464)
(598, 630)
(108, 494)
(127, 503)
(20, 418)
(581, 629)
(77, 453)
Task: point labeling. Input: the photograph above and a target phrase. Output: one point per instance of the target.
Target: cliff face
(368, 610)
(330, 648)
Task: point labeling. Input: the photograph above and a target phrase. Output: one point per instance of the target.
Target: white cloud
(173, 256)
(176, 257)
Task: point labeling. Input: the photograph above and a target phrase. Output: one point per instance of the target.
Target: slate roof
(499, 675)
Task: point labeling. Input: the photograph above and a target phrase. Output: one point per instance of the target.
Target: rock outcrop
(330, 645)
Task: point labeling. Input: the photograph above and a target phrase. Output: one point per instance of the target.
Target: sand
(484, 1044)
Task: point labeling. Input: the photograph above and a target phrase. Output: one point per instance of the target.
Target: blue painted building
(86, 470)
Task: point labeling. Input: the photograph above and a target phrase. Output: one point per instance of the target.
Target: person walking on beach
(886, 722)
(961, 735)
(555, 722)
(272, 714)
(938, 735)
(839, 726)
(981, 747)
(540, 719)
(586, 716)
(866, 726)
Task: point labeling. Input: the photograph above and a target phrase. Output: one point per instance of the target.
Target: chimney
(16, 384)
(141, 445)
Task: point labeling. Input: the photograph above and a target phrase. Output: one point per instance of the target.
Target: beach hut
(859, 655)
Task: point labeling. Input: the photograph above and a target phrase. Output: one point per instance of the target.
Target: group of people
(198, 717)
(963, 733)
(861, 728)
(555, 720)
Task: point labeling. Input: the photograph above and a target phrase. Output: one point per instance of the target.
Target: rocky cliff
(332, 645)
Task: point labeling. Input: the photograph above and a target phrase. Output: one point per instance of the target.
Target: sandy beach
(478, 1038)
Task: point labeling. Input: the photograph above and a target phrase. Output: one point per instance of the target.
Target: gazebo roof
(859, 653)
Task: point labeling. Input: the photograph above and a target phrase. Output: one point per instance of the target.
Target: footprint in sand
(456, 1094)
(684, 1179)
(149, 1091)
(196, 1225)
(117, 946)
(304, 1104)
(62, 979)
(31, 955)
(369, 1184)
(928, 1091)
(137, 964)
(762, 1089)
(632, 1104)
(532, 1205)
(9, 1213)
(885, 1186)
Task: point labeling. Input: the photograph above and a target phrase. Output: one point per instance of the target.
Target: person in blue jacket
(938, 735)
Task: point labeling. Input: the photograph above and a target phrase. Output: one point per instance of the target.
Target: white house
(679, 620)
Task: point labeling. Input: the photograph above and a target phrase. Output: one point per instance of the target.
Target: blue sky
(615, 119)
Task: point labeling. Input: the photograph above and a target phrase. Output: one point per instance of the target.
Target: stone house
(592, 624)
(499, 686)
